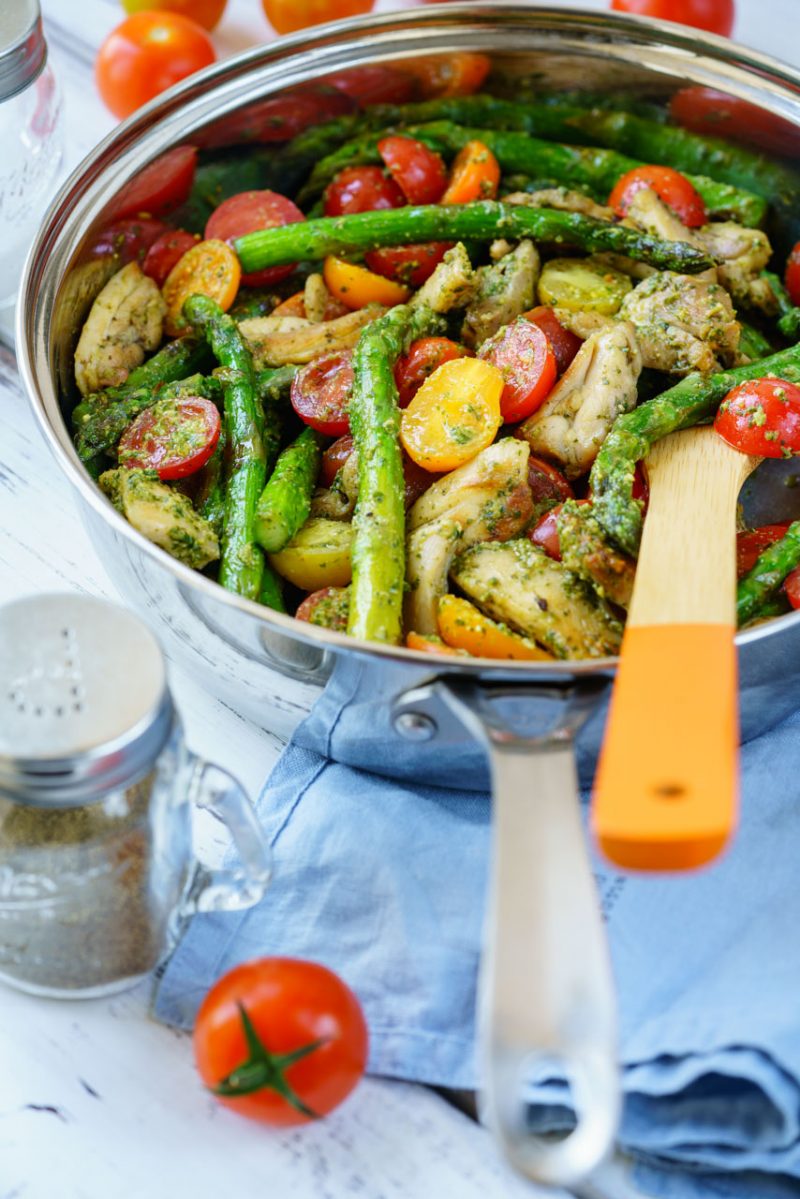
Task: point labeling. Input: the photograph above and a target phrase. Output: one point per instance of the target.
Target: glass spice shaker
(98, 790)
(31, 137)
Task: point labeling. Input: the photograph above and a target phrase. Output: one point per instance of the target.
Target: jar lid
(84, 702)
(23, 50)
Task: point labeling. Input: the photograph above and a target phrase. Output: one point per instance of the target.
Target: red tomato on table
(423, 357)
(419, 172)
(671, 186)
(146, 54)
(321, 393)
(174, 438)
(166, 252)
(715, 16)
(280, 1041)
(247, 212)
(206, 12)
(411, 265)
(751, 544)
(361, 189)
(762, 418)
(525, 359)
(287, 16)
(564, 343)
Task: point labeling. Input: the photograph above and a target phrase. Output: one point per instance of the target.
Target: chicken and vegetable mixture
(398, 374)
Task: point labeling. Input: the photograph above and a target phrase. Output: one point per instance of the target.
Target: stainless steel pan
(546, 985)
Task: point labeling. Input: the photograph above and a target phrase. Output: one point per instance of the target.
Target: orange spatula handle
(666, 787)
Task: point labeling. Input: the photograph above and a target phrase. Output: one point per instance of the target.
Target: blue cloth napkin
(384, 882)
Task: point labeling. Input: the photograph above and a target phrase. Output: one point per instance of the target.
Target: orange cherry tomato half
(474, 175)
(708, 111)
(211, 269)
(165, 253)
(429, 644)
(146, 54)
(361, 189)
(320, 393)
(424, 356)
(761, 417)
(715, 16)
(750, 545)
(671, 186)
(410, 265)
(565, 344)
(174, 437)
(420, 173)
(247, 212)
(206, 12)
(287, 16)
(793, 275)
(356, 287)
(523, 355)
(308, 1027)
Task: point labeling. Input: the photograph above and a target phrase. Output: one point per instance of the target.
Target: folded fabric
(385, 881)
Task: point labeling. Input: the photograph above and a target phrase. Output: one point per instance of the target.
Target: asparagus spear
(788, 314)
(272, 589)
(241, 563)
(286, 500)
(378, 554)
(484, 220)
(210, 500)
(633, 435)
(174, 361)
(752, 342)
(759, 587)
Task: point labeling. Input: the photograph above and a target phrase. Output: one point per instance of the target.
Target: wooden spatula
(666, 789)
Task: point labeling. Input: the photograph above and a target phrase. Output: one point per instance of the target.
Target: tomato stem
(263, 1069)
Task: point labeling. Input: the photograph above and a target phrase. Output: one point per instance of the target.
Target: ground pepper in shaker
(97, 793)
(31, 136)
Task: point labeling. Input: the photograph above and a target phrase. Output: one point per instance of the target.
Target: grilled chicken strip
(125, 322)
(741, 256)
(564, 199)
(577, 415)
(486, 499)
(682, 323)
(506, 289)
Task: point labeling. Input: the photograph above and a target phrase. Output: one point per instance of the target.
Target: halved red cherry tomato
(161, 186)
(246, 212)
(417, 480)
(165, 252)
(565, 344)
(547, 482)
(525, 359)
(297, 1027)
(174, 437)
(410, 265)
(423, 357)
(361, 189)
(374, 84)
(545, 532)
(333, 601)
(750, 545)
(419, 172)
(321, 393)
(761, 417)
(714, 15)
(671, 186)
(128, 239)
(641, 487)
(280, 118)
(146, 54)
(708, 111)
(793, 275)
(334, 459)
(791, 587)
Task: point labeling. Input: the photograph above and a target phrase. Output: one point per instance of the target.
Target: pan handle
(546, 1002)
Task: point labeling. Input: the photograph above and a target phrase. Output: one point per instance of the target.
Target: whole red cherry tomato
(761, 417)
(174, 437)
(145, 55)
(525, 358)
(708, 111)
(419, 172)
(793, 275)
(287, 16)
(672, 187)
(321, 393)
(565, 344)
(165, 252)
(715, 16)
(750, 545)
(423, 357)
(246, 212)
(410, 265)
(361, 189)
(280, 1040)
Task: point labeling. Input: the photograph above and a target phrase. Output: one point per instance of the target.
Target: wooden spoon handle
(666, 788)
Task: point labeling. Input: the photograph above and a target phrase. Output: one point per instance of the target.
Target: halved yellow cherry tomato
(474, 175)
(209, 269)
(356, 287)
(463, 626)
(454, 415)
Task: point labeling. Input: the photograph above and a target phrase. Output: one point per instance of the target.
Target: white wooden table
(96, 1100)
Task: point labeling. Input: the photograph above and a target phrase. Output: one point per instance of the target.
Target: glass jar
(31, 137)
(98, 793)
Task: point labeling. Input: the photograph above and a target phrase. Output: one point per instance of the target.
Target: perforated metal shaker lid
(23, 50)
(84, 703)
